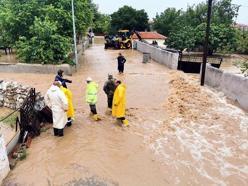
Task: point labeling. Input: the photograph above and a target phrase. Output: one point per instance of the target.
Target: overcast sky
(157, 6)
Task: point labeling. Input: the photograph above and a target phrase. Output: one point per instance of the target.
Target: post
(74, 32)
(205, 54)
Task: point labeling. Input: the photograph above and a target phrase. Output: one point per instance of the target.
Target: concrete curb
(36, 68)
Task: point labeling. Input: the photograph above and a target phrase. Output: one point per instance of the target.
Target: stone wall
(234, 86)
(12, 94)
(159, 55)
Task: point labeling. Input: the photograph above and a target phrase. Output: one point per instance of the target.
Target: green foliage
(41, 30)
(187, 29)
(45, 45)
(224, 12)
(183, 39)
(129, 18)
(242, 42)
(167, 21)
(17, 17)
(222, 38)
(243, 65)
(5, 37)
(101, 22)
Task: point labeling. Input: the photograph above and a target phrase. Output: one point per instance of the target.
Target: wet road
(170, 141)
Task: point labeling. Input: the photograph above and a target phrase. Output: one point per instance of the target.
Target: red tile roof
(149, 35)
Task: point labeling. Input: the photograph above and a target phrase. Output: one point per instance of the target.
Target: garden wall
(45, 69)
(159, 55)
(234, 86)
(36, 68)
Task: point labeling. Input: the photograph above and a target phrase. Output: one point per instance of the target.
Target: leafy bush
(242, 42)
(45, 44)
(186, 29)
(41, 31)
(243, 67)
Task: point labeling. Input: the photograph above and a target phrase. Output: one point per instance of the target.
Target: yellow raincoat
(68, 95)
(119, 101)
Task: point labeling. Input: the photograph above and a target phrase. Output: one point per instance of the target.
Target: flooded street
(229, 63)
(9, 58)
(179, 134)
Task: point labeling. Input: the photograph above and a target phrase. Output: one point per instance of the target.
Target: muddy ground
(179, 134)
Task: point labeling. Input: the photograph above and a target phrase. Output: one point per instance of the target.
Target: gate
(28, 117)
(189, 63)
(32, 113)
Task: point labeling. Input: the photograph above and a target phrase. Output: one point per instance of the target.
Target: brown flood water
(9, 58)
(169, 141)
(229, 63)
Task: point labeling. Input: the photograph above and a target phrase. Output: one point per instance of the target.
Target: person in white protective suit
(56, 100)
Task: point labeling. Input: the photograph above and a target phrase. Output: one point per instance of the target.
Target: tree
(5, 37)
(45, 44)
(222, 35)
(224, 12)
(222, 38)
(129, 18)
(101, 22)
(168, 21)
(194, 15)
(242, 42)
(16, 17)
(60, 11)
(183, 39)
(20, 21)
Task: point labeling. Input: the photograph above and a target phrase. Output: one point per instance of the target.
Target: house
(241, 27)
(150, 37)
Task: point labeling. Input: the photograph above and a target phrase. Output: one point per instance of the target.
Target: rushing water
(179, 134)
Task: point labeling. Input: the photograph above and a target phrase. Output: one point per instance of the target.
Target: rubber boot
(108, 111)
(55, 132)
(96, 117)
(125, 122)
(69, 122)
(60, 132)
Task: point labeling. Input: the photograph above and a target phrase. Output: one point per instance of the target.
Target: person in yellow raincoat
(119, 103)
(70, 111)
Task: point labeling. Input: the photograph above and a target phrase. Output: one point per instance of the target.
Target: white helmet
(89, 79)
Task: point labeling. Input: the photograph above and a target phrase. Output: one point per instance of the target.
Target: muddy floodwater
(179, 134)
(9, 58)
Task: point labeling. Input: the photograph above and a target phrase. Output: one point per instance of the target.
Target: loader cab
(124, 34)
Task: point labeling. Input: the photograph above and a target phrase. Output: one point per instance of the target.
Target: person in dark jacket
(121, 61)
(109, 89)
(59, 77)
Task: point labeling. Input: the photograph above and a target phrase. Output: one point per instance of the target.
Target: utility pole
(74, 32)
(205, 54)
